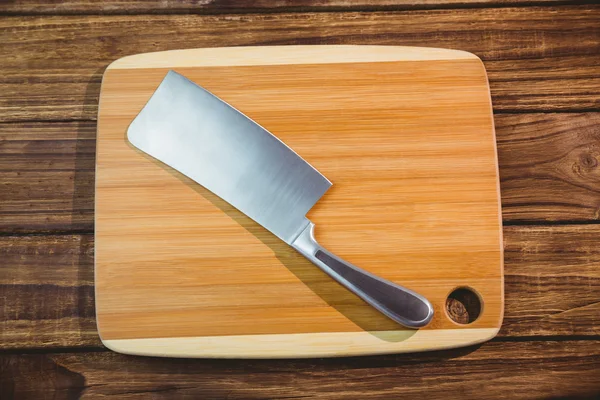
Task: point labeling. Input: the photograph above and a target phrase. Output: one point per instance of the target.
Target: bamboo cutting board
(406, 135)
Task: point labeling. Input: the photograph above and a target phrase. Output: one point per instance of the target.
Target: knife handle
(398, 303)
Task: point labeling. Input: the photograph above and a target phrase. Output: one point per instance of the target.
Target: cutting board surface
(406, 135)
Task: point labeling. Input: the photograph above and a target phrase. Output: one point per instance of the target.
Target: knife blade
(193, 131)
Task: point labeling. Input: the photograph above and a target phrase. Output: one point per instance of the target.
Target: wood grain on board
(32, 7)
(548, 169)
(494, 370)
(535, 60)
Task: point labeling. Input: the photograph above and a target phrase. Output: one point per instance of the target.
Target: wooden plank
(535, 60)
(549, 166)
(552, 286)
(47, 291)
(47, 176)
(548, 170)
(17, 7)
(552, 280)
(524, 370)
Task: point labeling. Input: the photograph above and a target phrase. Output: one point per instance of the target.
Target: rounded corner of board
(466, 55)
(486, 335)
(122, 62)
(116, 347)
(128, 347)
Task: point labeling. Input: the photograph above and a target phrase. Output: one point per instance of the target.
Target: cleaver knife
(193, 131)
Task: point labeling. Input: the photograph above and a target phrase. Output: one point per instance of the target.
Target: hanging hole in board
(463, 305)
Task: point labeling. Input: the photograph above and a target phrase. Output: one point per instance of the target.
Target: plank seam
(301, 9)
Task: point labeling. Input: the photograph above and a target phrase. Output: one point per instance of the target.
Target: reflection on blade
(201, 136)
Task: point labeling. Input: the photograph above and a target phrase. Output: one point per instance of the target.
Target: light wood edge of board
(303, 345)
(284, 55)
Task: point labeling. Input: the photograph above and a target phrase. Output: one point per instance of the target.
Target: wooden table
(543, 62)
